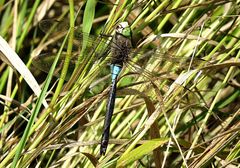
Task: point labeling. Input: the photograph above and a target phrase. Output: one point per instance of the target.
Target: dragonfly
(120, 54)
(120, 46)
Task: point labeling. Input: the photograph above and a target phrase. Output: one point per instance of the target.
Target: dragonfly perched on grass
(120, 47)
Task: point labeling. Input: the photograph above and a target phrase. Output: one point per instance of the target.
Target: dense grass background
(174, 113)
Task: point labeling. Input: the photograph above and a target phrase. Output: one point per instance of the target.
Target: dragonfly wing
(53, 25)
(44, 62)
(95, 47)
(156, 66)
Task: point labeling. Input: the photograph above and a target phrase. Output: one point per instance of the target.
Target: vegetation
(176, 107)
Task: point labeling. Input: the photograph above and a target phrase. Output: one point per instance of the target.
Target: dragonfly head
(124, 29)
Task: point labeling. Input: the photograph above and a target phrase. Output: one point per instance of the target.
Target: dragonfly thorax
(120, 49)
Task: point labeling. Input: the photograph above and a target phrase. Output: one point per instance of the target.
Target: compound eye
(119, 26)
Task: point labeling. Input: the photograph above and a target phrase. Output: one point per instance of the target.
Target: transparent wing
(154, 63)
(97, 46)
(44, 62)
(53, 26)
